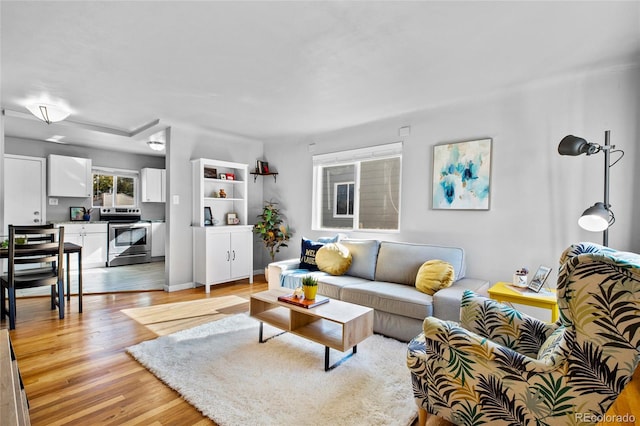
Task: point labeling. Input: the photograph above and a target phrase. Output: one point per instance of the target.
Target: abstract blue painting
(462, 175)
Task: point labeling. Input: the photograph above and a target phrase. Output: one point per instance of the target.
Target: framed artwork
(76, 213)
(208, 217)
(210, 173)
(462, 175)
(539, 278)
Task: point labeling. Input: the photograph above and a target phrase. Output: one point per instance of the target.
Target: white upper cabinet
(69, 176)
(153, 185)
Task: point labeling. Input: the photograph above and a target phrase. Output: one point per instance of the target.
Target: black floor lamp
(599, 217)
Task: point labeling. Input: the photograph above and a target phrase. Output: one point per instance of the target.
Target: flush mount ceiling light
(156, 145)
(48, 113)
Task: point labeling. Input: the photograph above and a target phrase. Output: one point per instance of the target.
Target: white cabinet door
(158, 230)
(153, 185)
(24, 191)
(69, 176)
(94, 241)
(240, 248)
(218, 257)
(94, 250)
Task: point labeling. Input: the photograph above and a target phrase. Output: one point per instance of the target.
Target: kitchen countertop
(78, 222)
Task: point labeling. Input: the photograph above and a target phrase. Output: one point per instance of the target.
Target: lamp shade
(48, 113)
(156, 145)
(596, 218)
(573, 145)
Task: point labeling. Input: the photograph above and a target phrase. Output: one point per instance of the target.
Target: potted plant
(272, 231)
(310, 287)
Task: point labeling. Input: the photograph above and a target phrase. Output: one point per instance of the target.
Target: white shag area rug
(222, 370)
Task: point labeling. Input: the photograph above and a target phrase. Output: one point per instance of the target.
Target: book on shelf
(305, 303)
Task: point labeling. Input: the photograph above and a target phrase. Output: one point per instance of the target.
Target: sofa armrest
(446, 302)
(275, 270)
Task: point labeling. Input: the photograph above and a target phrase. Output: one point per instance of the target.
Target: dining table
(69, 248)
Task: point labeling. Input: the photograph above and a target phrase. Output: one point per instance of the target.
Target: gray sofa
(382, 276)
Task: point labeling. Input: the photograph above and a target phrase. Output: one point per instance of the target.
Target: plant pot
(310, 291)
(86, 217)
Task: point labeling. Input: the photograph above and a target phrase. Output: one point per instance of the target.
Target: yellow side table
(503, 292)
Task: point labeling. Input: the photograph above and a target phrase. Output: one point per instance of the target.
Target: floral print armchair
(500, 366)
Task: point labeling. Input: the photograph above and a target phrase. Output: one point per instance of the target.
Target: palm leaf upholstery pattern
(500, 366)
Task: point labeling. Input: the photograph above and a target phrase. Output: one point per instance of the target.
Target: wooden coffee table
(337, 324)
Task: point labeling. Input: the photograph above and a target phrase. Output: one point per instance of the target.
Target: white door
(24, 191)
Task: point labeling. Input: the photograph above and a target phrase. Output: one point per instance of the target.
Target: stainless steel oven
(129, 238)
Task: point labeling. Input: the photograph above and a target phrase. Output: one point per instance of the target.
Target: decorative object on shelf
(462, 175)
(520, 278)
(298, 292)
(222, 194)
(222, 176)
(210, 173)
(598, 217)
(230, 176)
(309, 287)
(208, 217)
(232, 219)
(262, 167)
(215, 194)
(48, 113)
(272, 231)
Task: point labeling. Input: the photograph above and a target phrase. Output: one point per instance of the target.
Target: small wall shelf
(256, 174)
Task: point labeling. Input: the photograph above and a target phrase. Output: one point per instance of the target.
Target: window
(358, 189)
(343, 200)
(115, 188)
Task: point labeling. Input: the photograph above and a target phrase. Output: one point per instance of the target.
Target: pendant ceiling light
(156, 145)
(48, 113)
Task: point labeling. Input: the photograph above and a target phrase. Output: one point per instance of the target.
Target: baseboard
(178, 287)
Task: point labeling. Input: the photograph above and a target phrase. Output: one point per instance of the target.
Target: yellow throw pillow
(434, 275)
(333, 258)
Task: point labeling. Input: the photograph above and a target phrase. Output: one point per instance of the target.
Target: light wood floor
(76, 370)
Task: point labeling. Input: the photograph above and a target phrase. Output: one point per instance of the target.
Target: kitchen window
(114, 188)
(358, 189)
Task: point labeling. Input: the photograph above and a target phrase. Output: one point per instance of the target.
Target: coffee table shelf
(338, 325)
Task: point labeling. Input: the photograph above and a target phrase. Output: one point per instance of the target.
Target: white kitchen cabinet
(69, 176)
(222, 254)
(158, 230)
(153, 185)
(93, 238)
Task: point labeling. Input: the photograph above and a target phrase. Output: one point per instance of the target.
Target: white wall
(537, 195)
(184, 144)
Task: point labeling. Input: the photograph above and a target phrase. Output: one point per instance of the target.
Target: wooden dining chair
(35, 255)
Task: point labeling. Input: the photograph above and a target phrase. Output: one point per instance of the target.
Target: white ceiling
(270, 70)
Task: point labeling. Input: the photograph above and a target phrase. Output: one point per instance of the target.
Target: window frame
(355, 158)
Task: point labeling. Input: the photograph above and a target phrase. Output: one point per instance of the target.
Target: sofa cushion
(333, 258)
(434, 275)
(364, 254)
(390, 297)
(399, 262)
(332, 285)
